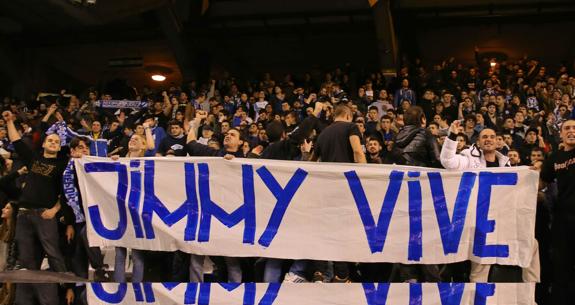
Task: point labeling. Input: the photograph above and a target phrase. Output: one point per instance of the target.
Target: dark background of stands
(47, 43)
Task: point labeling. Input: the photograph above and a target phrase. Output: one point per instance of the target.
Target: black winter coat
(418, 147)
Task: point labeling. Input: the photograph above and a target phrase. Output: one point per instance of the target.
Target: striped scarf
(71, 192)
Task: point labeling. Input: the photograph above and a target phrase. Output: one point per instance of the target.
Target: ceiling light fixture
(158, 78)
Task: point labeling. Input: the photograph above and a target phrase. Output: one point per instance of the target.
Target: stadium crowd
(450, 116)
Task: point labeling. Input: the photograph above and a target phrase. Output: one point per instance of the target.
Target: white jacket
(470, 158)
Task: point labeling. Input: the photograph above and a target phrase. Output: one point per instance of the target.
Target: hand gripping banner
(308, 210)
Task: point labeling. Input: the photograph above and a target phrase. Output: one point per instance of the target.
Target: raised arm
(449, 157)
(51, 110)
(194, 125)
(167, 104)
(13, 133)
(150, 143)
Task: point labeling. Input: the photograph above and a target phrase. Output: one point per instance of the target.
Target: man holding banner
(484, 154)
(561, 166)
(339, 142)
(232, 148)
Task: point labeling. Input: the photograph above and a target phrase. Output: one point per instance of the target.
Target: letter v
(451, 230)
(375, 296)
(376, 235)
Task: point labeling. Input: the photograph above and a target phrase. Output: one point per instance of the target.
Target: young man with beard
(514, 157)
(175, 142)
(560, 166)
(374, 151)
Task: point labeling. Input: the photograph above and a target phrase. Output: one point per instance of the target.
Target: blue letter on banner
(153, 205)
(271, 294)
(112, 298)
(451, 230)
(283, 196)
(483, 224)
(415, 294)
(134, 199)
(375, 296)
(415, 247)
(209, 208)
(451, 293)
(94, 211)
(482, 291)
(376, 234)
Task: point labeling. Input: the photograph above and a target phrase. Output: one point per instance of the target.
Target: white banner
(311, 294)
(307, 210)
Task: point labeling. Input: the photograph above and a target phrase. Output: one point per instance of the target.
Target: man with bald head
(484, 154)
(480, 155)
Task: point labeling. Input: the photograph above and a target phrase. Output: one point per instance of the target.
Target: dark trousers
(563, 257)
(37, 294)
(180, 268)
(420, 273)
(34, 234)
(80, 297)
(340, 269)
(83, 253)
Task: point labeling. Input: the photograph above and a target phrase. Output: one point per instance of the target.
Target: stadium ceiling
(172, 32)
(62, 20)
(474, 10)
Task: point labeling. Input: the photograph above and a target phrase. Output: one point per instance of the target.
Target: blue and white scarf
(98, 147)
(71, 192)
(119, 104)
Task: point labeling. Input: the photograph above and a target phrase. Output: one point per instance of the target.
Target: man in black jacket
(418, 146)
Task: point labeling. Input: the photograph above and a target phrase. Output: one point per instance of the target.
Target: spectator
(76, 231)
(372, 120)
(483, 155)
(514, 157)
(174, 143)
(418, 148)
(374, 151)
(339, 142)
(137, 147)
(404, 93)
(560, 166)
(37, 209)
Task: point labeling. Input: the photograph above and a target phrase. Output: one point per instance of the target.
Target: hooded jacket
(469, 158)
